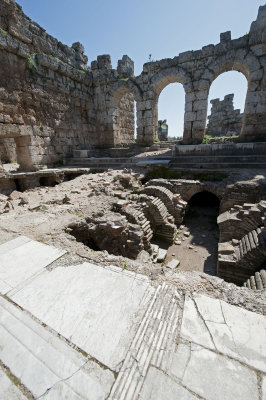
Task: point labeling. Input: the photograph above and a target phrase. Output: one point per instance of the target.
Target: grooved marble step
(157, 328)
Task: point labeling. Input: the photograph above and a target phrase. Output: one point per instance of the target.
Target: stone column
(254, 120)
(255, 109)
(196, 106)
(24, 154)
(146, 114)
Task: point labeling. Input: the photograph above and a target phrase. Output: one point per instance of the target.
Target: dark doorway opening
(48, 181)
(204, 199)
(201, 222)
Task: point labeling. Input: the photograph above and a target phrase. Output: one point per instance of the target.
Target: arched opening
(197, 238)
(226, 105)
(8, 154)
(49, 181)
(124, 117)
(204, 199)
(171, 107)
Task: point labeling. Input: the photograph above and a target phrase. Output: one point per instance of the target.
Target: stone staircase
(257, 282)
(240, 220)
(236, 263)
(104, 163)
(220, 156)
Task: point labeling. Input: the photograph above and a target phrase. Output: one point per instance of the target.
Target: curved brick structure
(236, 263)
(174, 204)
(257, 282)
(240, 220)
(161, 221)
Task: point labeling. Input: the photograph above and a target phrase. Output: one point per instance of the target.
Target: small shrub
(3, 32)
(125, 265)
(31, 63)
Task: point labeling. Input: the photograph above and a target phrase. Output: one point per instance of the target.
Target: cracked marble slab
(211, 375)
(45, 364)
(230, 330)
(158, 386)
(97, 309)
(23, 258)
(8, 390)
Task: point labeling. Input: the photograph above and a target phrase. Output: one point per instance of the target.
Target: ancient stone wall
(124, 120)
(224, 120)
(195, 70)
(46, 97)
(8, 150)
(52, 103)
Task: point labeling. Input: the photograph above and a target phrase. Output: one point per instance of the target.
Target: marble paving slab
(86, 332)
(23, 258)
(45, 364)
(97, 308)
(230, 330)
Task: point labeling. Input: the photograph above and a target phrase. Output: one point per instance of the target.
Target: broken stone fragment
(225, 248)
(187, 234)
(173, 264)
(161, 255)
(15, 195)
(24, 199)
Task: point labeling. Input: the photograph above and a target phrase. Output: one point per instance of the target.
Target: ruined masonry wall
(52, 103)
(46, 96)
(124, 120)
(224, 119)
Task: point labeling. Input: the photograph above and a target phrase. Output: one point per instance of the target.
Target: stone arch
(122, 112)
(170, 75)
(192, 190)
(162, 79)
(206, 197)
(241, 62)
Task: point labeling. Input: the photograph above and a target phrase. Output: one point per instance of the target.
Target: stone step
(157, 329)
(44, 362)
(219, 159)
(218, 166)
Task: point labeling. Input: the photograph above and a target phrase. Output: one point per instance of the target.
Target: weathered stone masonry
(52, 103)
(224, 119)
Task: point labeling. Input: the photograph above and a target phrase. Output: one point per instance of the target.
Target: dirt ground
(198, 237)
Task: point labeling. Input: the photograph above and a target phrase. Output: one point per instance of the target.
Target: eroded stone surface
(8, 390)
(21, 259)
(45, 364)
(160, 386)
(230, 330)
(97, 309)
(134, 340)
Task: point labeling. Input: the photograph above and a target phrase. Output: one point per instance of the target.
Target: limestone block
(231, 330)
(98, 315)
(204, 372)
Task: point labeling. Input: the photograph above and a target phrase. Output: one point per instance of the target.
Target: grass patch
(79, 214)
(40, 208)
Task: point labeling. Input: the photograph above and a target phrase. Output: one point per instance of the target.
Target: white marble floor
(89, 332)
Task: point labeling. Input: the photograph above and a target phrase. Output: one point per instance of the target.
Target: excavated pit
(167, 223)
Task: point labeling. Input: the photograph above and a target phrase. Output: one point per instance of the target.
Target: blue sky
(163, 28)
